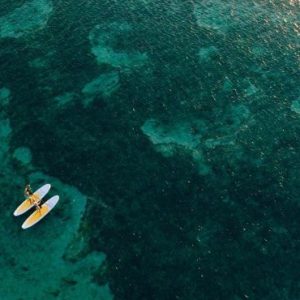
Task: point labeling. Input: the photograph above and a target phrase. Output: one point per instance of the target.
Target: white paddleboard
(38, 215)
(27, 204)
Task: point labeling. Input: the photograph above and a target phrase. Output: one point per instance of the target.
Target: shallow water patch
(104, 85)
(104, 40)
(32, 15)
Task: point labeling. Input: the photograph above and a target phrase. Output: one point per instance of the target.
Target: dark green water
(170, 129)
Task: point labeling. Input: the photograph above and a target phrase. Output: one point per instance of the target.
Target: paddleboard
(27, 204)
(38, 215)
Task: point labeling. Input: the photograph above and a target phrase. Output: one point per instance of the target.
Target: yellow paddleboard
(28, 203)
(41, 213)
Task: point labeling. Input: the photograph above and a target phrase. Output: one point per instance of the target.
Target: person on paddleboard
(28, 193)
(37, 205)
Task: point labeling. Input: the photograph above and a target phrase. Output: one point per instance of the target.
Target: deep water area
(171, 131)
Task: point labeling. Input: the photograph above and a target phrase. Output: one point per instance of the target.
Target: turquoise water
(170, 130)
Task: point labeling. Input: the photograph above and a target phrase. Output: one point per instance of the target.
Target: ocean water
(170, 129)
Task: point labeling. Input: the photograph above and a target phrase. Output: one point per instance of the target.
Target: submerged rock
(251, 88)
(208, 53)
(221, 141)
(38, 63)
(4, 96)
(23, 155)
(195, 137)
(32, 15)
(183, 136)
(238, 113)
(103, 39)
(216, 15)
(295, 107)
(227, 85)
(104, 85)
(180, 134)
(226, 129)
(65, 99)
(221, 16)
